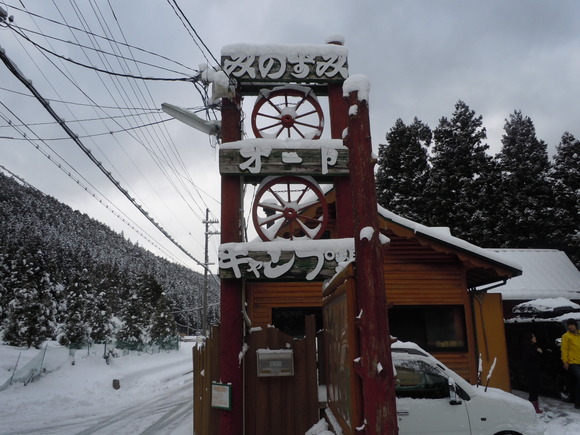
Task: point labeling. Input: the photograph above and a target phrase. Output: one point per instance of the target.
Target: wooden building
(436, 287)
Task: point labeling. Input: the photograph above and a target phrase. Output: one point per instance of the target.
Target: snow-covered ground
(559, 418)
(155, 395)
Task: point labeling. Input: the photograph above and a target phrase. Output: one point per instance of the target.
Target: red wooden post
(376, 368)
(338, 122)
(231, 320)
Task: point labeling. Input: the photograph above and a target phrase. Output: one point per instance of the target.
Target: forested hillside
(64, 275)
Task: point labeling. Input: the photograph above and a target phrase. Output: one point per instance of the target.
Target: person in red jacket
(571, 356)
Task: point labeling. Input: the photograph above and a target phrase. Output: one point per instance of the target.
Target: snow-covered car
(432, 399)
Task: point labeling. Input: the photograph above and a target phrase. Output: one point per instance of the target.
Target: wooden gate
(341, 348)
(285, 405)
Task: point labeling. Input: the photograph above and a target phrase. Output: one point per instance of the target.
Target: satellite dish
(191, 119)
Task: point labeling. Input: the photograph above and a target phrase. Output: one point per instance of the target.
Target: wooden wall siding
(423, 284)
(263, 296)
(411, 250)
(286, 405)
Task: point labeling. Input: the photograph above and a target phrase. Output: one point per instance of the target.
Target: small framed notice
(221, 396)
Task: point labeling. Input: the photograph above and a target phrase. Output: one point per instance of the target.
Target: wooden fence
(205, 368)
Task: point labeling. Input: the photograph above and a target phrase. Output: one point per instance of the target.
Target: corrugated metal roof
(546, 273)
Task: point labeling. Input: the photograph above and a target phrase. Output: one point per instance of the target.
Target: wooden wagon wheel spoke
(305, 114)
(276, 108)
(278, 124)
(265, 115)
(297, 131)
(305, 124)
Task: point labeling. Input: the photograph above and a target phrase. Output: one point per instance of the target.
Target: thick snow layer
(547, 273)
(284, 50)
(547, 305)
(284, 144)
(357, 83)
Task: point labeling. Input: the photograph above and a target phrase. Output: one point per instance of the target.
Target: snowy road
(156, 397)
(169, 413)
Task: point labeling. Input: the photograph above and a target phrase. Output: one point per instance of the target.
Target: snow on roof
(443, 235)
(284, 50)
(547, 305)
(280, 245)
(547, 273)
(285, 144)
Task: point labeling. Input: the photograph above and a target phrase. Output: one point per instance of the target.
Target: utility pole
(208, 233)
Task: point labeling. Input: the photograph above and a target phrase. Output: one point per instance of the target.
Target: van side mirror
(454, 398)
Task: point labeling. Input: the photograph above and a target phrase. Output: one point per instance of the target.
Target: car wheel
(563, 387)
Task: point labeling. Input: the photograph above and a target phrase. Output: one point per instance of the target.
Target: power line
(98, 134)
(16, 72)
(97, 36)
(86, 120)
(77, 44)
(98, 106)
(40, 47)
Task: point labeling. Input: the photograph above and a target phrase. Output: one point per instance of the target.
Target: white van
(432, 399)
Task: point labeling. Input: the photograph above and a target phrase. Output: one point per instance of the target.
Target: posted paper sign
(221, 396)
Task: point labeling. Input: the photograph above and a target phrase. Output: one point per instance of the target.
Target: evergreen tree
(4, 294)
(138, 312)
(102, 328)
(403, 169)
(525, 206)
(163, 331)
(75, 332)
(565, 178)
(133, 333)
(28, 314)
(460, 173)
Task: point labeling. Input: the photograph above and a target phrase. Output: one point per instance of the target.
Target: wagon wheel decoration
(290, 208)
(292, 112)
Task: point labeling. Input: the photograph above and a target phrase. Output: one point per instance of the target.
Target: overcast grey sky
(420, 56)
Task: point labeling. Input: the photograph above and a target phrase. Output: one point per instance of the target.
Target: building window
(434, 328)
(290, 320)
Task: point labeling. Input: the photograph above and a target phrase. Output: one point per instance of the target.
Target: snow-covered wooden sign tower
(288, 160)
